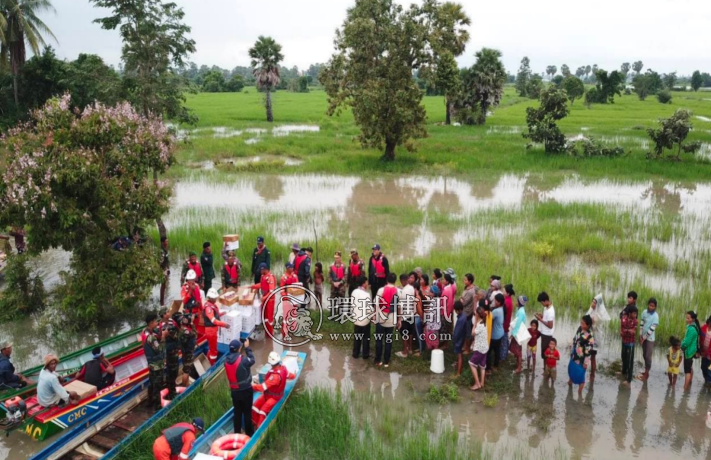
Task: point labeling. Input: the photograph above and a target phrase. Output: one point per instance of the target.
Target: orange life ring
(164, 392)
(229, 446)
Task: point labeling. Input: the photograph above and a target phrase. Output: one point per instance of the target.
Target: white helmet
(212, 294)
(191, 275)
(274, 358)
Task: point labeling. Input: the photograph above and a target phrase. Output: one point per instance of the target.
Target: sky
(667, 35)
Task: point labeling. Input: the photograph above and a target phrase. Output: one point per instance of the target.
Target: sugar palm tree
(22, 28)
(266, 56)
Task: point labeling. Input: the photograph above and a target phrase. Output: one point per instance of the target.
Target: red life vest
(355, 270)
(379, 268)
(231, 370)
(196, 267)
(386, 304)
(286, 280)
(338, 271)
(206, 321)
(174, 436)
(298, 262)
(278, 391)
(264, 282)
(232, 272)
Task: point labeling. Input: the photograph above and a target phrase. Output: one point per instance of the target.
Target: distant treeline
(216, 79)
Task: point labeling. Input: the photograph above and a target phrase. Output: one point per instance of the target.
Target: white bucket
(437, 363)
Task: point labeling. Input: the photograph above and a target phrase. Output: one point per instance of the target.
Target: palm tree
(22, 29)
(266, 56)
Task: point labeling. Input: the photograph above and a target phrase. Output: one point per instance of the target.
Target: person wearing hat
(211, 321)
(260, 255)
(188, 340)
(207, 266)
(356, 268)
(230, 272)
(8, 378)
(378, 270)
(337, 276)
(154, 350)
(289, 278)
(295, 248)
(303, 267)
(267, 283)
(192, 264)
(272, 389)
(239, 374)
(192, 298)
(98, 371)
(50, 391)
(177, 441)
(519, 322)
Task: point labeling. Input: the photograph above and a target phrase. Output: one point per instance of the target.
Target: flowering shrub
(78, 180)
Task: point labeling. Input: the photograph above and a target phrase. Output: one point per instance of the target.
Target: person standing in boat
(207, 265)
(50, 391)
(188, 340)
(165, 266)
(260, 255)
(239, 374)
(8, 378)
(266, 284)
(192, 299)
(378, 271)
(192, 264)
(154, 350)
(230, 272)
(211, 321)
(98, 372)
(356, 268)
(172, 350)
(177, 441)
(272, 389)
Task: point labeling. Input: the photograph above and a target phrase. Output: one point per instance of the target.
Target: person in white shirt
(387, 300)
(546, 324)
(50, 391)
(363, 311)
(407, 309)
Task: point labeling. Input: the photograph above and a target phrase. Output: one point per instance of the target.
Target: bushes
(672, 133)
(590, 147)
(541, 122)
(24, 292)
(664, 96)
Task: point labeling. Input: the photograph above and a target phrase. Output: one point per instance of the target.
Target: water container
(437, 363)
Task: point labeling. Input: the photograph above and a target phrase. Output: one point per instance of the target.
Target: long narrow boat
(114, 347)
(97, 436)
(224, 425)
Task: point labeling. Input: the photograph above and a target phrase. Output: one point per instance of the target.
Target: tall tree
(669, 80)
(523, 76)
(696, 80)
(22, 29)
(625, 69)
(266, 56)
(482, 86)
(565, 70)
(580, 71)
(588, 69)
(551, 71)
(638, 66)
(574, 88)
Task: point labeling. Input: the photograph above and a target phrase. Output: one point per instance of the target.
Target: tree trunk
(389, 151)
(159, 221)
(449, 111)
(15, 89)
(270, 115)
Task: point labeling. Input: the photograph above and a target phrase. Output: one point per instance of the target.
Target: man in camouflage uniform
(172, 350)
(188, 340)
(154, 350)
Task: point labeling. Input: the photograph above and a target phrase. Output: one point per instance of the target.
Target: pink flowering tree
(79, 180)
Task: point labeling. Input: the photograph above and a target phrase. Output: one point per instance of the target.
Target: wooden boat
(115, 425)
(114, 347)
(224, 425)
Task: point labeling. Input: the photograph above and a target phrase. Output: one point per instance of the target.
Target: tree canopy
(266, 56)
(482, 87)
(574, 88)
(523, 76)
(541, 121)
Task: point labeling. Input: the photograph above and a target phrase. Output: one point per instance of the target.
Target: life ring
(164, 392)
(229, 446)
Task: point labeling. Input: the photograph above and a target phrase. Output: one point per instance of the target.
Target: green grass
(475, 150)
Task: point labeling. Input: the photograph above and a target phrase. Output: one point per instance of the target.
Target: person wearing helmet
(192, 298)
(176, 442)
(192, 263)
(211, 321)
(266, 284)
(272, 389)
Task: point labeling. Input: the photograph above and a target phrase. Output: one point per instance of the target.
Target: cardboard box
(83, 389)
(246, 297)
(229, 297)
(233, 246)
(176, 306)
(230, 238)
(225, 335)
(296, 291)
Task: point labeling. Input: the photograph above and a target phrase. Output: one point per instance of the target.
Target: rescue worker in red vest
(192, 300)
(272, 389)
(239, 374)
(337, 276)
(287, 306)
(378, 270)
(356, 268)
(176, 442)
(98, 372)
(211, 321)
(230, 273)
(192, 263)
(267, 284)
(385, 320)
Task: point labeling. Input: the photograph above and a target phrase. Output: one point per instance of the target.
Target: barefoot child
(674, 359)
(318, 282)
(480, 348)
(532, 344)
(552, 358)
(628, 329)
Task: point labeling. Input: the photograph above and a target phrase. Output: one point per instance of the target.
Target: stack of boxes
(234, 319)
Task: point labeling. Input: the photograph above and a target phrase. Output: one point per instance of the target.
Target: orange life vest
(298, 261)
(379, 268)
(355, 270)
(338, 271)
(232, 272)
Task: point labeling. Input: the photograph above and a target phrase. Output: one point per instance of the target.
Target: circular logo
(295, 326)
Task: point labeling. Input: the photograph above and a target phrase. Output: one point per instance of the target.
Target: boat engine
(16, 410)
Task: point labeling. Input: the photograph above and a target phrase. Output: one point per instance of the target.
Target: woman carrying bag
(583, 344)
(519, 333)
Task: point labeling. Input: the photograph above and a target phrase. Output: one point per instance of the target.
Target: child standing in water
(532, 344)
(674, 360)
(318, 282)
